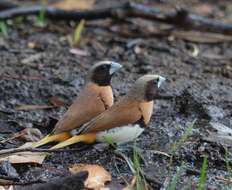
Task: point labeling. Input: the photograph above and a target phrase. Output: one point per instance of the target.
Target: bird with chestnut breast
(93, 99)
(132, 111)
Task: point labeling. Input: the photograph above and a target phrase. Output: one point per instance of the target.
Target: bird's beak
(161, 80)
(114, 67)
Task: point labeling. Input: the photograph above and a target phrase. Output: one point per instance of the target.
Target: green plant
(76, 37)
(40, 20)
(110, 141)
(181, 140)
(137, 168)
(228, 167)
(134, 165)
(184, 137)
(202, 179)
(3, 29)
(173, 182)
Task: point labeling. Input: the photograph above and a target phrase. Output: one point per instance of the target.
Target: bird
(95, 97)
(132, 110)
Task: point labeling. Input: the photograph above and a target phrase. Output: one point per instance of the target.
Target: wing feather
(124, 112)
(86, 106)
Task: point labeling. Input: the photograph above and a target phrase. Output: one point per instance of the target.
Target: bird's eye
(104, 67)
(156, 80)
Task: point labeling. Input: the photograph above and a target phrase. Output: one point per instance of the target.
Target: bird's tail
(85, 138)
(52, 138)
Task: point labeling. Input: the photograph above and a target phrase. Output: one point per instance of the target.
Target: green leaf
(40, 21)
(173, 183)
(3, 29)
(78, 31)
(201, 183)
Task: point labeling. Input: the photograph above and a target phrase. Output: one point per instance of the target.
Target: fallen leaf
(79, 52)
(25, 157)
(97, 175)
(74, 4)
(56, 101)
(33, 107)
(28, 134)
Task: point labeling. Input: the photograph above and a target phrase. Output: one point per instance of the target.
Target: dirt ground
(202, 85)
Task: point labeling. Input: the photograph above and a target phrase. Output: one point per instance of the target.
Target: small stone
(8, 170)
(215, 112)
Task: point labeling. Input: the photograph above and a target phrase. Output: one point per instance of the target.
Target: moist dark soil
(201, 87)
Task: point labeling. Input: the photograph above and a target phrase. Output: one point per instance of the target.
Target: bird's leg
(51, 138)
(88, 138)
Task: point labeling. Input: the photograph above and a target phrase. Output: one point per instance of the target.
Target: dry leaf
(97, 175)
(28, 134)
(78, 52)
(74, 4)
(24, 157)
(33, 107)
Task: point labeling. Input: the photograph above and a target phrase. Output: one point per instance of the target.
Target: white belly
(120, 135)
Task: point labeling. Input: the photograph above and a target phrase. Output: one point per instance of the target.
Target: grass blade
(40, 21)
(3, 29)
(173, 183)
(77, 32)
(201, 183)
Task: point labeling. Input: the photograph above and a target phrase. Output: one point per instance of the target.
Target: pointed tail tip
(51, 138)
(85, 138)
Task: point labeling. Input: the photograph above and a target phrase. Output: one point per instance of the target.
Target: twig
(160, 153)
(180, 18)
(225, 180)
(4, 4)
(16, 150)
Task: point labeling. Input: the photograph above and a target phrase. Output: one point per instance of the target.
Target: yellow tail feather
(86, 138)
(51, 138)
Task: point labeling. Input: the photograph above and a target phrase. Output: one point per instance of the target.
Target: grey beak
(114, 67)
(161, 80)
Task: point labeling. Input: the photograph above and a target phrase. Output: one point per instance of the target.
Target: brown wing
(86, 106)
(124, 112)
(146, 109)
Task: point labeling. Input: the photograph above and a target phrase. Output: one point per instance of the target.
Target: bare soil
(201, 85)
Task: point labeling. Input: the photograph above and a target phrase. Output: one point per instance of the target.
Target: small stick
(181, 18)
(16, 150)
